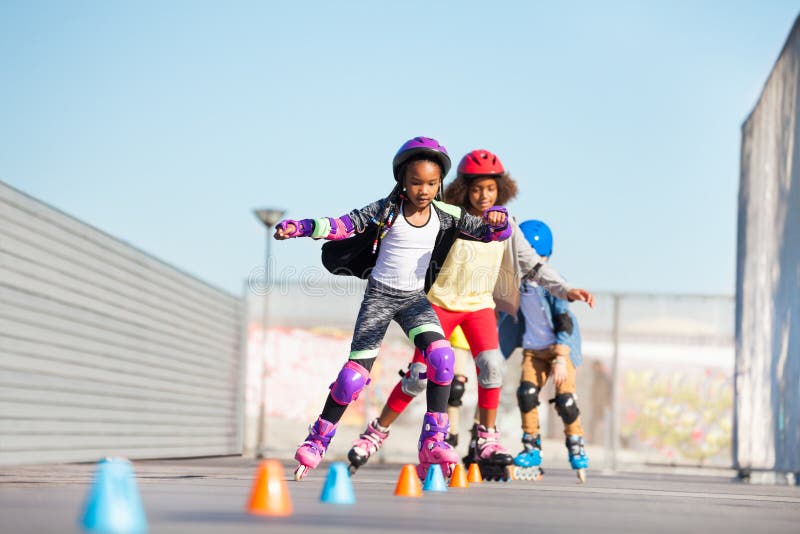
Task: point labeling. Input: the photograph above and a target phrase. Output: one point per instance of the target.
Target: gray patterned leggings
(414, 314)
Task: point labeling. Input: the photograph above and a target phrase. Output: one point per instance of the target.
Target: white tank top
(406, 252)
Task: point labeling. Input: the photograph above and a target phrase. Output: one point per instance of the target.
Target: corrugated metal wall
(105, 350)
(767, 405)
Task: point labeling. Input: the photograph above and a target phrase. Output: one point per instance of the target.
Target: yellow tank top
(467, 278)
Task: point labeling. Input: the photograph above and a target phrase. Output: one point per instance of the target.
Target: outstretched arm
(534, 268)
(493, 226)
(548, 278)
(582, 295)
(331, 228)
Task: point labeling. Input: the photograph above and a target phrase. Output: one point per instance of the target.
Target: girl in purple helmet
(399, 243)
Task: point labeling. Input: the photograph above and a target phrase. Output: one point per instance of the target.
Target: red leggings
(480, 329)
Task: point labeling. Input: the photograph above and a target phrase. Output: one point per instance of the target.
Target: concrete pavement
(208, 495)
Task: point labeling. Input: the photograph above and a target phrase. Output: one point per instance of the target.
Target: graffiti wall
(678, 415)
(299, 366)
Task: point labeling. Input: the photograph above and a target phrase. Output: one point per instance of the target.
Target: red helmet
(480, 162)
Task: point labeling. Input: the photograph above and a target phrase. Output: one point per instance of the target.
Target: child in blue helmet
(548, 333)
(399, 243)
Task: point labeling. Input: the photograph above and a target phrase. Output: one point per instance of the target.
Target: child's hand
(285, 229)
(559, 371)
(496, 216)
(288, 228)
(582, 295)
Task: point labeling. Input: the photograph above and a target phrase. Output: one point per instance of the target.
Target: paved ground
(208, 496)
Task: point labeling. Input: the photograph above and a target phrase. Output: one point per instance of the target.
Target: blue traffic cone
(338, 488)
(113, 505)
(434, 480)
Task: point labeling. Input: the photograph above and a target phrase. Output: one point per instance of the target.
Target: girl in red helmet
(475, 278)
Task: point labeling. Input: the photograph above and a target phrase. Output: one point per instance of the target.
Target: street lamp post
(269, 217)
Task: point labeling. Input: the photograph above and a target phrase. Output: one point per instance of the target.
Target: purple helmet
(421, 145)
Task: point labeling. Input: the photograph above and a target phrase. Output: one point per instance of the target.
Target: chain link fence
(655, 386)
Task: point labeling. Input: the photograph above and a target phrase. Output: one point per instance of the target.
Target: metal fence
(655, 386)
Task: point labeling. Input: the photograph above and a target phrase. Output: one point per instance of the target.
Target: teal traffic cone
(434, 480)
(113, 505)
(338, 488)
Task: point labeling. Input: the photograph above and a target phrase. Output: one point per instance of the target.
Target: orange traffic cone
(269, 495)
(408, 484)
(459, 477)
(474, 474)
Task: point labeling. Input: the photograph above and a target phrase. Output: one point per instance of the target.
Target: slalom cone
(474, 474)
(408, 484)
(459, 477)
(113, 505)
(270, 495)
(338, 488)
(434, 479)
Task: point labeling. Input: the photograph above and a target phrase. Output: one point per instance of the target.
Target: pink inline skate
(433, 449)
(311, 451)
(366, 445)
(492, 458)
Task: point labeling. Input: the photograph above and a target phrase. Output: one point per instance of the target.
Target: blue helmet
(539, 236)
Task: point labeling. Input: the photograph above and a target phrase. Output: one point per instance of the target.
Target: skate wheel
(352, 469)
(301, 471)
(508, 474)
(527, 473)
(422, 471)
(582, 475)
(448, 470)
(512, 473)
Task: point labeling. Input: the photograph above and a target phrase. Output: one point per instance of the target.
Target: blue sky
(165, 124)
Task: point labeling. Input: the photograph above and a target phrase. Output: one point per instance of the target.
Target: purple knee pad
(441, 362)
(351, 380)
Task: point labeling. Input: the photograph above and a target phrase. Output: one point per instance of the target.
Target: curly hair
(457, 192)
